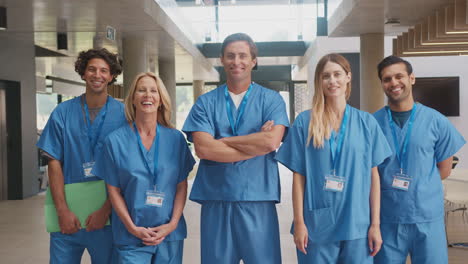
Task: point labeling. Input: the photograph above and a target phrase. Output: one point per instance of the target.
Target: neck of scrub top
(403, 106)
(146, 122)
(156, 154)
(93, 135)
(237, 87)
(235, 123)
(94, 100)
(403, 149)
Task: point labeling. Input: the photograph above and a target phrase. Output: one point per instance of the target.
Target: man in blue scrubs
(236, 129)
(423, 143)
(71, 140)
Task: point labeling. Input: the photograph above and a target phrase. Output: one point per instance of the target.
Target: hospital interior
(180, 40)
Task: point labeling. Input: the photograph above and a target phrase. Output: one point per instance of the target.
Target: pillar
(167, 74)
(198, 87)
(134, 60)
(372, 52)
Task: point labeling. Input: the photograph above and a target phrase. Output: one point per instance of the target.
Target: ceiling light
(444, 43)
(457, 32)
(435, 52)
(3, 18)
(392, 21)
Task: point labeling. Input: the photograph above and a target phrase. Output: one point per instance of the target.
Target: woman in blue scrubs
(334, 150)
(145, 164)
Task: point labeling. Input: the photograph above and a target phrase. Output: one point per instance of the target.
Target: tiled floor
(23, 239)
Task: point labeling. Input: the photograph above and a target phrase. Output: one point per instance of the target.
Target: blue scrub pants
(231, 231)
(168, 252)
(426, 243)
(341, 252)
(69, 248)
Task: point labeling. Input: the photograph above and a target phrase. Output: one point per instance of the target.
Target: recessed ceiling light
(392, 21)
(3, 18)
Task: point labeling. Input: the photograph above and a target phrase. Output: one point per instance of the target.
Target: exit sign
(110, 33)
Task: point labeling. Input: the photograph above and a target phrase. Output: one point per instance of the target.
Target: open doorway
(11, 173)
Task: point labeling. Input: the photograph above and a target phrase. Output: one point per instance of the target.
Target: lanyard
(93, 138)
(156, 152)
(336, 151)
(401, 151)
(241, 109)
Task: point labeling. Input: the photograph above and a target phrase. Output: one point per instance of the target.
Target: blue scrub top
(65, 137)
(123, 166)
(336, 216)
(256, 179)
(433, 139)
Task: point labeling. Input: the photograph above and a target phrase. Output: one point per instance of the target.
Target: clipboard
(82, 198)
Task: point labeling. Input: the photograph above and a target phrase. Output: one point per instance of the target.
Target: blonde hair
(322, 117)
(164, 109)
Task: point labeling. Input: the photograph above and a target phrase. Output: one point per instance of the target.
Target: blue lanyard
(143, 151)
(235, 125)
(93, 138)
(336, 151)
(401, 151)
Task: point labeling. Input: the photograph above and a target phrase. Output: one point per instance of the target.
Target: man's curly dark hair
(115, 64)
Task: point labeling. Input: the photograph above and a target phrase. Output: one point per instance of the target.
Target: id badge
(334, 183)
(87, 168)
(401, 181)
(154, 198)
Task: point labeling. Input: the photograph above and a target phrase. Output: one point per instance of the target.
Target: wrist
(62, 210)
(106, 211)
(298, 222)
(132, 229)
(173, 224)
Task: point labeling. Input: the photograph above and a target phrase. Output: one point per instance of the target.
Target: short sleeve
(292, 152)
(198, 120)
(276, 110)
(186, 159)
(105, 166)
(51, 140)
(449, 140)
(380, 148)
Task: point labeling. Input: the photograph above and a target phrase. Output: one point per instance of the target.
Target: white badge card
(401, 181)
(334, 183)
(154, 198)
(87, 168)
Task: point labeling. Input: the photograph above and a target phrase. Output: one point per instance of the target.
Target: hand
(142, 232)
(161, 232)
(68, 222)
(268, 126)
(301, 237)
(375, 239)
(97, 220)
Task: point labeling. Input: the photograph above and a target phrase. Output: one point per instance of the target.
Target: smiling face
(237, 61)
(397, 83)
(97, 76)
(146, 96)
(335, 80)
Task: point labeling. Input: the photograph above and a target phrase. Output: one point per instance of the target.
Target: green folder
(82, 198)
